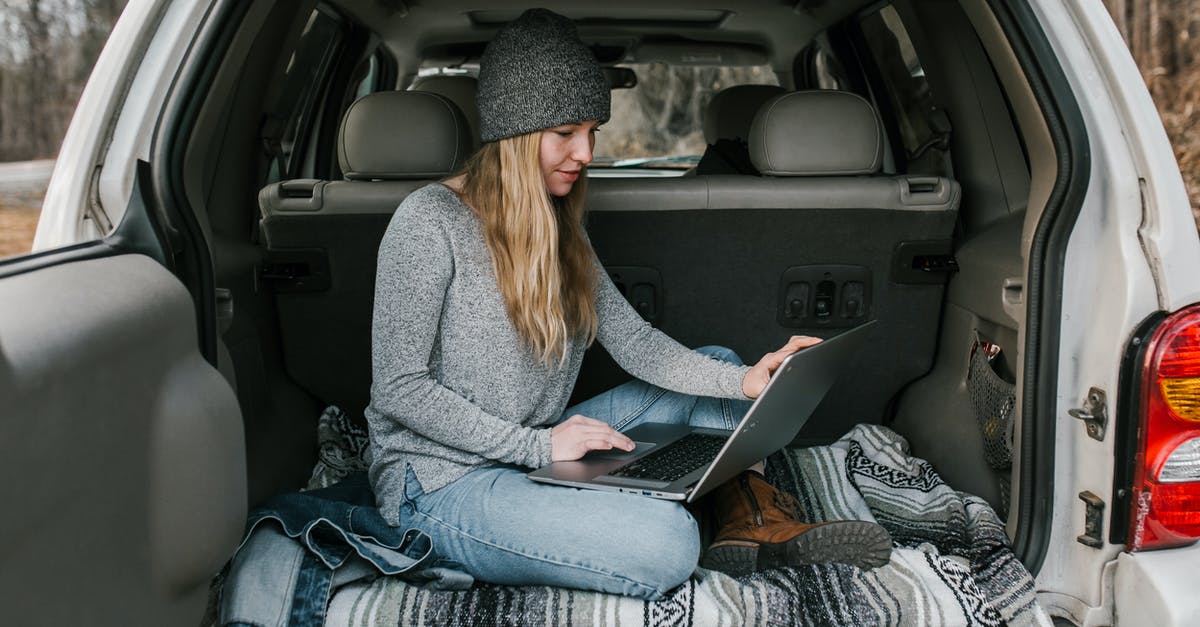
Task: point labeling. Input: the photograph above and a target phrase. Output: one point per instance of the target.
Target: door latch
(1094, 414)
(1093, 520)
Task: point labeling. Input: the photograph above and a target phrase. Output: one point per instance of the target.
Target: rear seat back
(322, 236)
(461, 90)
(707, 258)
(730, 113)
(727, 121)
(730, 254)
(816, 133)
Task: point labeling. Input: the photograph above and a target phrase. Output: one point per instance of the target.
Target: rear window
(660, 122)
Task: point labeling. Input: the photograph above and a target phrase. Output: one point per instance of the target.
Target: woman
(487, 295)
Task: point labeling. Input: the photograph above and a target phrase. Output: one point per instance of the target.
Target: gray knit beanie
(537, 74)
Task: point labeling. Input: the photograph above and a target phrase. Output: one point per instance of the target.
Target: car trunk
(935, 250)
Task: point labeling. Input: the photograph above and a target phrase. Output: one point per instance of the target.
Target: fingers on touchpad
(616, 453)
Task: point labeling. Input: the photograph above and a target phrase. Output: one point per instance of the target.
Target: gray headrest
(816, 133)
(460, 90)
(732, 109)
(402, 135)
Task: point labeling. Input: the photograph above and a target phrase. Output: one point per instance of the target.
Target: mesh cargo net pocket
(994, 401)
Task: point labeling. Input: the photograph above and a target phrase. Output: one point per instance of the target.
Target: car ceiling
(773, 29)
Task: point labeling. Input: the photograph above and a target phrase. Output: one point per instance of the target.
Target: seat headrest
(460, 90)
(402, 135)
(731, 110)
(816, 133)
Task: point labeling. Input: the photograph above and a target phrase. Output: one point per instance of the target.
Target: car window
(923, 129)
(660, 121)
(289, 127)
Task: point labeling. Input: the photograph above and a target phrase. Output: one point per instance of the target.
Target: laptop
(682, 463)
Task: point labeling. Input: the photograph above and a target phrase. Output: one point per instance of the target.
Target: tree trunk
(1119, 10)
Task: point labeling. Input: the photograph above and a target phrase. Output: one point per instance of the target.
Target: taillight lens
(1165, 508)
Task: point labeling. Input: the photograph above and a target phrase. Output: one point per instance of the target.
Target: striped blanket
(951, 565)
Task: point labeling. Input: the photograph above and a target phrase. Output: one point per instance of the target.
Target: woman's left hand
(758, 376)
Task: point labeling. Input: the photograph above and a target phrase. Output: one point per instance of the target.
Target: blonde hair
(541, 256)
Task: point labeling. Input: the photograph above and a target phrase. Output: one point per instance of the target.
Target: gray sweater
(453, 387)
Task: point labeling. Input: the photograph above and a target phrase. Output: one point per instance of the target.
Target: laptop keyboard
(674, 460)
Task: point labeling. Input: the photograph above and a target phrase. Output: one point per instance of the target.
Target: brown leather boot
(759, 528)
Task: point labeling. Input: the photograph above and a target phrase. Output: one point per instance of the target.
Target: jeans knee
(678, 568)
(676, 553)
(721, 353)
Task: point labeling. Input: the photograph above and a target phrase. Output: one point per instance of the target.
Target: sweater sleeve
(416, 265)
(651, 355)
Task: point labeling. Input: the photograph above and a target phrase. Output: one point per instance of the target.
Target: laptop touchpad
(616, 453)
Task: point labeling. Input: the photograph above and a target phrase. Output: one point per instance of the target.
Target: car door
(122, 444)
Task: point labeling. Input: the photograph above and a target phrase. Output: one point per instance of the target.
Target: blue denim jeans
(302, 546)
(503, 528)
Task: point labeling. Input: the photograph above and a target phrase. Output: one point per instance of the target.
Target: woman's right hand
(575, 436)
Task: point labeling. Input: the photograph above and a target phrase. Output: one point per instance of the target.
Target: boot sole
(857, 543)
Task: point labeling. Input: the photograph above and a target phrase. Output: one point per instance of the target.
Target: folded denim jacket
(300, 547)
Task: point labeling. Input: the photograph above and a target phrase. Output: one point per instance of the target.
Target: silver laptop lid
(784, 406)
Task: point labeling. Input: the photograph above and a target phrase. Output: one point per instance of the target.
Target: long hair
(541, 256)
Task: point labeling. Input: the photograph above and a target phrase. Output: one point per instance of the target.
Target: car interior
(845, 223)
(900, 168)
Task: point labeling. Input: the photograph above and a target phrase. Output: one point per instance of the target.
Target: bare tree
(664, 114)
(1164, 37)
(47, 50)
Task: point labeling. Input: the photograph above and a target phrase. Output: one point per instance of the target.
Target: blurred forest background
(47, 50)
(1164, 36)
(48, 47)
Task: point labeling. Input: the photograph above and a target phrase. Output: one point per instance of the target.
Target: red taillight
(1165, 508)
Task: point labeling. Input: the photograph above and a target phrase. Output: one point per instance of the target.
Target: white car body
(1133, 251)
